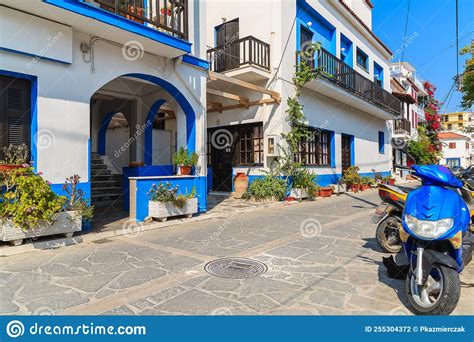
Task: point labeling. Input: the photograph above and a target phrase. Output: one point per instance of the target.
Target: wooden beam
(216, 76)
(227, 95)
(240, 105)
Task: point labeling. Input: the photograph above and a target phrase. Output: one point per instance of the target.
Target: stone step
(104, 172)
(101, 178)
(101, 191)
(106, 196)
(98, 166)
(107, 183)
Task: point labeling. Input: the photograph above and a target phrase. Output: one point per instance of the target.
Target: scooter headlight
(428, 229)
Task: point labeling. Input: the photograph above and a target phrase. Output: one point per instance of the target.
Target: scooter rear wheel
(440, 294)
(387, 235)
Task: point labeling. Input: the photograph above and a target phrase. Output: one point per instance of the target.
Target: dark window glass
(315, 151)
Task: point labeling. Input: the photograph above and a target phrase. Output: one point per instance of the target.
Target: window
(381, 142)
(159, 122)
(460, 125)
(362, 59)
(250, 146)
(460, 117)
(452, 145)
(450, 126)
(316, 151)
(378, 74)
(15, 112)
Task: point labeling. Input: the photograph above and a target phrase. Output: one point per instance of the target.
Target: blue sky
(431, 38)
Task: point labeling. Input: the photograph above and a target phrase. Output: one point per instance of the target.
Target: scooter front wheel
(387, 235)
(440, 294)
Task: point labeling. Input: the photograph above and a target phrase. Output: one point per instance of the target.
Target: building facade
(93, 87)
(457, 121)
(350, 107)
(456, 149)
(406, 85)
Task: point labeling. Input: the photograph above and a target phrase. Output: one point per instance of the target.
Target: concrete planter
(339, 188)
(66, 223)
(299, 193)
(162, 211)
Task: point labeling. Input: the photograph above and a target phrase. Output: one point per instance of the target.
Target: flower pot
(339, 188)
(354, 188)
(185, 170)
(162, 211)
(316, 193)
(325, 191)
(299, 193)
(9, 167)
(136, 164)
(66, 223)
(391, 181)
(241, 184)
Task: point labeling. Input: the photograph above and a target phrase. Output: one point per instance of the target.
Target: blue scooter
(436, 239)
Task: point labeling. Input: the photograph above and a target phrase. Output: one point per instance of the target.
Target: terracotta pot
(316, 193)
(391, 182)
(9, 167)
(241, 183)
(136, 164)
(325, 191)
(185, 170)
(355, 188)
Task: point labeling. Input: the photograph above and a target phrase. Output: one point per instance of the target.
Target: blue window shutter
(381, 142)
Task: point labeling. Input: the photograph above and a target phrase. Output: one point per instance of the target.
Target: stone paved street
(322, 259)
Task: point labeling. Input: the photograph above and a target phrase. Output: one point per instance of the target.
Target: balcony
(341, 74)
(246, 58)
(169, 16)
(402, 126)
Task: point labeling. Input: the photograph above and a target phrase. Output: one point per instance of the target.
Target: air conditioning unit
(273, 148)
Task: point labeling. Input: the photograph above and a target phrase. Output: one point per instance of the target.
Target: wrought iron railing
(170, 16)
(335, 70)
(402, 126)
(234, 54)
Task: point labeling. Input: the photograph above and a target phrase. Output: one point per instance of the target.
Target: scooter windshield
(436, 175)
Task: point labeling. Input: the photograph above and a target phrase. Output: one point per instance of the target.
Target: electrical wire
(405, 33)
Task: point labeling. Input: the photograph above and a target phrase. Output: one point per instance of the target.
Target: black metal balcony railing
(170, 16)
(335, 70)
(234, 54)
(402, 126)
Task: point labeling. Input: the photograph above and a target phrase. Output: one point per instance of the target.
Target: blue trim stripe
(33, 55)
(110, 18)
(200, 63)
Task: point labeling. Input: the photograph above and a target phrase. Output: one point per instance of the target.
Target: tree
(467, 78)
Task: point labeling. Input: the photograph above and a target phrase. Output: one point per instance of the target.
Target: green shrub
(351, 176)
(164, 193)
(15, 155)
(183, 158)
(267, 187)
(303, 179)
(28, 199)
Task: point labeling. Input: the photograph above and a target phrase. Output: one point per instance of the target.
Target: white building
(92, 86)
(456, 149)
(350, 109)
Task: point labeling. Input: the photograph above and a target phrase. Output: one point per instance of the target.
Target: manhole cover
(235, 268)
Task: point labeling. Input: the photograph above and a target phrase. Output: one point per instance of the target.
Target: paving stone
(136, 277)
(328, 298)
(290, 252)
(57, 302)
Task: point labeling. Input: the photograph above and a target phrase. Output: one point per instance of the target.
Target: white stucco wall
(461, 151)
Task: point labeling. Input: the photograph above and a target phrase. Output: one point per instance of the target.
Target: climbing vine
(299, 129)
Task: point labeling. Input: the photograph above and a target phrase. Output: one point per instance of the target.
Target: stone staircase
(106, 188)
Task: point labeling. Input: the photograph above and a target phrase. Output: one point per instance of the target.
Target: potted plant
(303, 184)
(77, 202)
(389, 180)
(351, 178)
(365, 183)
(14, 157)
(165, 202)
(325, 191)
(186, 161)
(29, 209)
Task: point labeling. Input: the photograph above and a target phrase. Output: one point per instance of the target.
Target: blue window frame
(362, 59)
(381, 142)
(378, 74)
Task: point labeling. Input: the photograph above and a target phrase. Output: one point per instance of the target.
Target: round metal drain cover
(235, 268)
